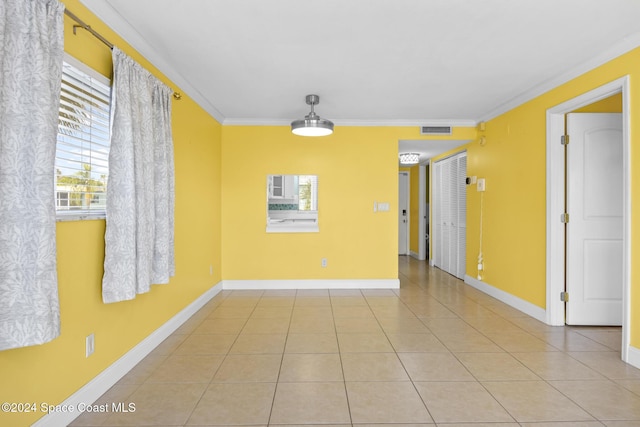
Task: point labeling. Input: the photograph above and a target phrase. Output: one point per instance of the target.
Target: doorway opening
(556, 193)
(403, 213)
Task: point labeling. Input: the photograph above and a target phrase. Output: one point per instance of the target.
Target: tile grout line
(211, 381)
(284, 350)
(344, 378)
(395, 351)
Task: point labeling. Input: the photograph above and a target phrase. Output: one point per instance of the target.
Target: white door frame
(555, 309)
(422, 200)
(408, 217)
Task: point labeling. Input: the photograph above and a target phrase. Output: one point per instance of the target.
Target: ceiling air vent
(435, 130)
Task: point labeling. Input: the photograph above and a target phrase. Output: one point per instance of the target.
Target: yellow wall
(612, 104)
(221, 216)
(52, 372)
(355, 167)
(513, 161)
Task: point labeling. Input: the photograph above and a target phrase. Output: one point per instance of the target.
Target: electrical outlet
(481, 186)
(90, 345)
(323, 263)
(211, 270)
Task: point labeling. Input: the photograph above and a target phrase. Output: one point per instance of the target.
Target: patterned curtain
(140, 190)
(31, 49)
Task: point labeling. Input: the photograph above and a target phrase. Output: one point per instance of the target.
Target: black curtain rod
(85, 26)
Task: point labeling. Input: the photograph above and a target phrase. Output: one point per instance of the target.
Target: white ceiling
(372, 62)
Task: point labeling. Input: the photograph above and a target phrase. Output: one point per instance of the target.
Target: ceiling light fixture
(312, 124)
(409, 158)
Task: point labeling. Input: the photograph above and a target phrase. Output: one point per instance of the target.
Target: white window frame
(66, 213)
(294, 221)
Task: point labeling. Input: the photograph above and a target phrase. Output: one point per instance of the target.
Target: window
(292, 204)
(82, 150)
(307, 193)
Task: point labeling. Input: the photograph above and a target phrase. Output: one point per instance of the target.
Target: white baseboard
(634, 357)
(511, 300)
(311, 284)
(107, 378)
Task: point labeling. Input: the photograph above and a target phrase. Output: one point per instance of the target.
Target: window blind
(82, 150)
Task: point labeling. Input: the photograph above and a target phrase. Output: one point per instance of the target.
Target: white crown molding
(399, 123)
(103, 10)
(627, 44)
(119, 25)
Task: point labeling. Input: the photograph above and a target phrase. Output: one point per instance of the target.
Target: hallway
(434, 352)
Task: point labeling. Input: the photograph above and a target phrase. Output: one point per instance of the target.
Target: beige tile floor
(434, 352)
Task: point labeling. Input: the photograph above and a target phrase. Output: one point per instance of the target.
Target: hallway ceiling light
(409, 158)
(312, 124)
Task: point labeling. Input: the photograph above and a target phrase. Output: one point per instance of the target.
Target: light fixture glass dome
(312, 124)
(409, 158)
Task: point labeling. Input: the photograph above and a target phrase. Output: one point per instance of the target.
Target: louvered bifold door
(450, 214)
(462, 216)
(436, 238)
(446, 215)
(453, 216)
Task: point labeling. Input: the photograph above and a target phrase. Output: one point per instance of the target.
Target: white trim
(526, 307)
(293, 227)
(555, 204)
(80, 217)
(108, 15)
(415, 255)
(72, 60)
(455, 123)
(625, 45)
(634, 357)
(111, 375)
(311, 284)
(555, 228)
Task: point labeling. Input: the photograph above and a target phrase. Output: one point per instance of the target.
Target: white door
(403, 213)
(449, 218)
(595, 206)
(446, 216)
(461, 224)
(436, 212)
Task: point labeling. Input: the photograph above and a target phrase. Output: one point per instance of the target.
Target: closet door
(461, 194)
(445, 212)
(449, 210)
(453, 217)
(436, 221)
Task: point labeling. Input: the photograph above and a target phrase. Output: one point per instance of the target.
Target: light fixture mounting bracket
(312, 100)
